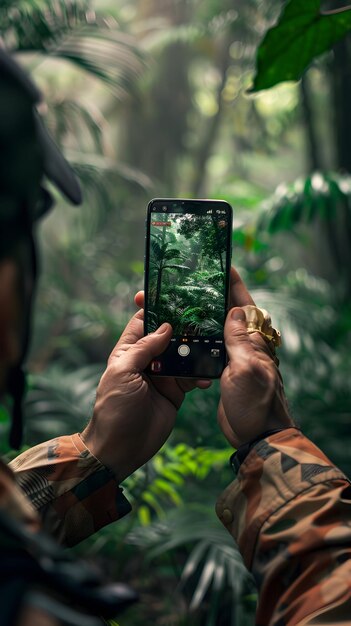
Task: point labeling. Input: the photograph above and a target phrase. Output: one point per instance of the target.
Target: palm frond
(300, 323)
(91, 167)
(175, 266)
(82, 119)
(73, 32)
(108, 54)
(213, 563)
(35, 24)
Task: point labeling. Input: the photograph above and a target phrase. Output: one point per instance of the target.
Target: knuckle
(239, 332)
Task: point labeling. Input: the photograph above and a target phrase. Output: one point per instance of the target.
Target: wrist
(239, 456)
(93, 443)
(274, 423)
(276, 416)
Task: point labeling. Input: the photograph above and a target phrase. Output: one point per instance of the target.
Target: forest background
(151, 98)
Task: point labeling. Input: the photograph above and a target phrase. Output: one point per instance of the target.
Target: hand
(252, 392)
(134, 415)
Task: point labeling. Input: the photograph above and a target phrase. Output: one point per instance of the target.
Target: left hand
(134, 415)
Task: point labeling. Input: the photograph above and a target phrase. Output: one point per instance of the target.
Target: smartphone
(187, 269)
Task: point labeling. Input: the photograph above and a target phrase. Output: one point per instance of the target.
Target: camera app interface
(187, 284)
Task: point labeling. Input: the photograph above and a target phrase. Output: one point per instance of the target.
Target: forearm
(73, 492)
(289, 511)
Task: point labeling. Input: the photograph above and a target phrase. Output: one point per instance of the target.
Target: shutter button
(183, 350)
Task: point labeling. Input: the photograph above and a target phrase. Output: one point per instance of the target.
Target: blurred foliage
(320, 195)
(302, 33)
(212, 574)
(163, 480)
(318, 210)
(149, 98)
(60, 401)
(75, 32)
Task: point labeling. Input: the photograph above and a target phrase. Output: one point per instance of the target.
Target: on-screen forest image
(187, 281)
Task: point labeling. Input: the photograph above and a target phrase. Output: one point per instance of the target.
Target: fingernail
(162, 329)
(238, 315)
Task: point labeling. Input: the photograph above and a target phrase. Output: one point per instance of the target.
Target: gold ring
(259, 321)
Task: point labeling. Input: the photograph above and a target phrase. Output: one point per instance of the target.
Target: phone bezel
(188, 204)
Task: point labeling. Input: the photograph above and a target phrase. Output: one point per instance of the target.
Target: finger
(139, 299)
(187, 384)
(138, 355)
(203, 384)
(239, 343)
(236, 337)
(239, 295)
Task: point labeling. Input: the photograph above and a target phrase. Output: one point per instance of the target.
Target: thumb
(235, 331)
(139, 355)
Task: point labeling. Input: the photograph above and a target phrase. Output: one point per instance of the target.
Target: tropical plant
(73, 31)
(211, 574)
(202, 306)
(318, 210)
(303, 32)
(163, 258)
(162, 482)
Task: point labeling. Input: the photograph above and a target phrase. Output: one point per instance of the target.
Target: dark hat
(53, 164)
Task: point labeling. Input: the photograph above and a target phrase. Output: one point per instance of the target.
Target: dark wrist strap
(239, 456)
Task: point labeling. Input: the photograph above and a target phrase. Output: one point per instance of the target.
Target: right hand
(252, 392)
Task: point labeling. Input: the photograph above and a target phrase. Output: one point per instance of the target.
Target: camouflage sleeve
(290, 513)
(73, 492)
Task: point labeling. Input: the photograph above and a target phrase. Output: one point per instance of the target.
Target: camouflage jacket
(72, 491)
(289, 510)
(61, 487)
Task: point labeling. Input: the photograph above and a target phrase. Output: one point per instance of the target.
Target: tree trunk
(340, 80)
(212, 129)
(156, 120)
(314, 160)
(158, 290)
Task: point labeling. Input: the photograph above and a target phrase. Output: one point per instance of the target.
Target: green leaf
(301, 34)
(163, 487)
(174, 476)
(144, 515)
(153, 503)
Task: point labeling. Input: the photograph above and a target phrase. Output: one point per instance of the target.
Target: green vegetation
(150, 99)
(304, 31)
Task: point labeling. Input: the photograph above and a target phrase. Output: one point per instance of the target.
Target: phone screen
(188, 255)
